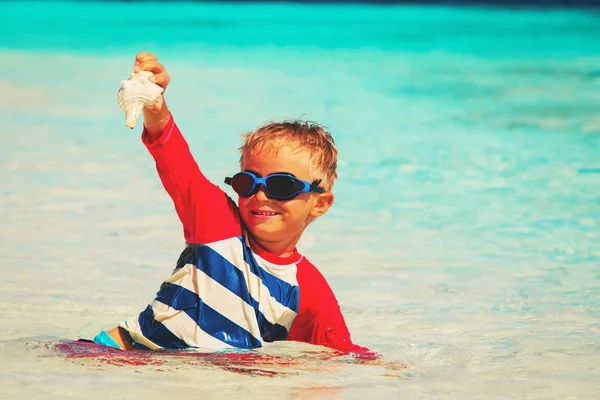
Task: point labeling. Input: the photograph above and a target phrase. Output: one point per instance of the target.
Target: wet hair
(305, 136)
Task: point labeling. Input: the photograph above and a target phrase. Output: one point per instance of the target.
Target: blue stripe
(282, 291)
(156, 332)
(139, 346)
(271, 332)
(207, 318)
(222, 271)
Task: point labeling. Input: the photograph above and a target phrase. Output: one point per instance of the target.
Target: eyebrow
(278, 172)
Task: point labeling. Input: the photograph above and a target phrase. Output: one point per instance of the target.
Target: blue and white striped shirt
(220, 295)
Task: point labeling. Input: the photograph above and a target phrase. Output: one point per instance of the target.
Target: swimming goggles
(278, 186)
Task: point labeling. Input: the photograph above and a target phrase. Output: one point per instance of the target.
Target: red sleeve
(206, 212)
(320, 320)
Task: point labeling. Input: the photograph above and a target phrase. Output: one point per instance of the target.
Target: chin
(265, 234)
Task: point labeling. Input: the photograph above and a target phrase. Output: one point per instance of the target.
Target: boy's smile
(263, 214)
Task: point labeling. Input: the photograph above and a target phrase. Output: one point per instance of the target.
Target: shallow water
(463, 241)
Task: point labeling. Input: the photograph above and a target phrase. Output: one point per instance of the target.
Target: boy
(240, 281)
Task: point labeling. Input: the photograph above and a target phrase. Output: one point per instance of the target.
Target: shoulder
(230, 249)
(233, 244)
(310, 274)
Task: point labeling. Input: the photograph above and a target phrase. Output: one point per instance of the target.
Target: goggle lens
(243, 184)
(283, 186)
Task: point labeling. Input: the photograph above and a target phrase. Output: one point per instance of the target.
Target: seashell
(136, 93)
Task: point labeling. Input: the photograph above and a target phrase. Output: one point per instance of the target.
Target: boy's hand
(157, 115)
(148, 62)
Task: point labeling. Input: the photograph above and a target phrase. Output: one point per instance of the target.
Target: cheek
(297, 208)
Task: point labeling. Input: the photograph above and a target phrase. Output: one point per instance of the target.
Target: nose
(261, 195)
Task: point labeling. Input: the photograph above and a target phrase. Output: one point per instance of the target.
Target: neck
(279, 249)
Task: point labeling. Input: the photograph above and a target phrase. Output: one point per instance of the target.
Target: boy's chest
(270, 289)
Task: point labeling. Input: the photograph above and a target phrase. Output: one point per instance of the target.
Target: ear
(321, 204)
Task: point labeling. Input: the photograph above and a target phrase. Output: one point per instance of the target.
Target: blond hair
(305, 136)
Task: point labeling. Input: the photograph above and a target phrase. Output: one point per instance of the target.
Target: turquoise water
(463, 241)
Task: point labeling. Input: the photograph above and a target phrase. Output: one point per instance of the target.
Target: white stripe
(273, 311)
(286, 273)
(221, 299)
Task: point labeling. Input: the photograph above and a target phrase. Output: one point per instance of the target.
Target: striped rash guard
(220, 295)
(225, 291)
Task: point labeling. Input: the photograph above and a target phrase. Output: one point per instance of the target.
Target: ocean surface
(464, 240)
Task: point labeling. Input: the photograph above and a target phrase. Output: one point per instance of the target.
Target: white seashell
(136, 93)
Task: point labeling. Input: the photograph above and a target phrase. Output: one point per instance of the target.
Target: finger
(161, 79)
(143, 56)
(153, 66)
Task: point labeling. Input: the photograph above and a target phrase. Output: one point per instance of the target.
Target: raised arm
(206, 212)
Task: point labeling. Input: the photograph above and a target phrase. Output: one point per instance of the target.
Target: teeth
(264, 213)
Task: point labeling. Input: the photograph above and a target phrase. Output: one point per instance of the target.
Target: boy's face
(278, 224)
